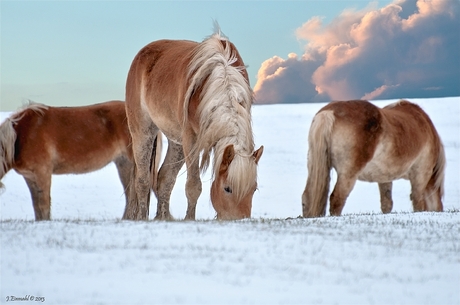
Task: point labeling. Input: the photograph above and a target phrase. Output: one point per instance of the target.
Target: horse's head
(234, 184)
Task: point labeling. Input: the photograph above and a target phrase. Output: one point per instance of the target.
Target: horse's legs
(39, 188)
(167, 175)
(125, 168)
(193, 185)
(418, 185)
(143, 133)
(433, 199)
(386, 201)
(192, 189)
(432, 195)
(341, 191)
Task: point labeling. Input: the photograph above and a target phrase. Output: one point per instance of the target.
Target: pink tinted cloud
(396, 51)
(287, 80)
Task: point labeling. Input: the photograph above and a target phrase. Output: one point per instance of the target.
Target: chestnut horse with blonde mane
(198, 96)
(40, 140)
(364, 142)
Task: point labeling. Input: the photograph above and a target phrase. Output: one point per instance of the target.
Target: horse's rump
(156, 82)
(356, 132)
(8, 135)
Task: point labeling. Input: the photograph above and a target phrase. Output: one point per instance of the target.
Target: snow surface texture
(86, 255)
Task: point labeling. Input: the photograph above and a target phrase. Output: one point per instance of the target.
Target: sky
(66, 53)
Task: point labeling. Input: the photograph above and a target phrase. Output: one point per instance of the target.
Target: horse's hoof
(164, 217)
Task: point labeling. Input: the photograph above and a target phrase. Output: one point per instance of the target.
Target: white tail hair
(314, 199)
(7, 140)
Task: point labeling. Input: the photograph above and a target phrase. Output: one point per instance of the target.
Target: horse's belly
(387, 164)
(169, 127)
(171, 135)
(383, 167)
(381, 172)
(82, 161)
(81, 166)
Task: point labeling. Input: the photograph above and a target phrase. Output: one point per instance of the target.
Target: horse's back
(71, 139)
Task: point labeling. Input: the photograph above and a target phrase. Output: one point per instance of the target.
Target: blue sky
(79, 52)
(51, 46)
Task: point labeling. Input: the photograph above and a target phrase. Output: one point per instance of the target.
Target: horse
(198, 95)
(364, 142)
(38, 141)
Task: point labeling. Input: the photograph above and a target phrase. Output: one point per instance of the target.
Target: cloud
(406, 49)
(286, 80)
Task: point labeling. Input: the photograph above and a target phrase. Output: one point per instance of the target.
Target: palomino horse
(198, 95)
(364, 142)
(39, 141)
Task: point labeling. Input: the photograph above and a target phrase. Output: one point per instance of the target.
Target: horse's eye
(228, 189)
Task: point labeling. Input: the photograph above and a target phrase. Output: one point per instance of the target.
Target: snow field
(86, 255)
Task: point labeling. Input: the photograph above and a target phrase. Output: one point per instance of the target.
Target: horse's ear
(258, 153)
(227, 158)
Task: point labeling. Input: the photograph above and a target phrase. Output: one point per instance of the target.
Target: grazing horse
(198, 96)
(364, 142)
(39, 141)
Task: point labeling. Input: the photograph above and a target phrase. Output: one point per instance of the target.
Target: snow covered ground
(86, 255)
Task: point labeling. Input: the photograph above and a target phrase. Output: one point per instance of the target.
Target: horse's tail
(435, 189)
(155, 161)
(7, 141)
(314, 198)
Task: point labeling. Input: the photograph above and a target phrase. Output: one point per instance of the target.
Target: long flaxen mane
(224, 110)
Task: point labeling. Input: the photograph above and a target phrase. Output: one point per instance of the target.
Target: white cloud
(393, 52)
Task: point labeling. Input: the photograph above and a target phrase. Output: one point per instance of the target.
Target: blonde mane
(224, 111)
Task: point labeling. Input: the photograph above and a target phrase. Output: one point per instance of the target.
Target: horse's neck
(223, 126)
